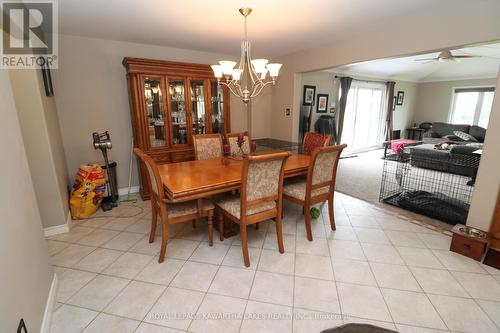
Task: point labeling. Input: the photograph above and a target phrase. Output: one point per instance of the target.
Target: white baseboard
(58, 229)
(124, 191)
(49, 307)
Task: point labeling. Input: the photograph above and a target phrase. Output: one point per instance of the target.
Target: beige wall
(403, 114)
(42, 138)
(91, 95)
(488, 178)
(434, 98)
(26, 274)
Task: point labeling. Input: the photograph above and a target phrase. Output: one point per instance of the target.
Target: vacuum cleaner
(102, 141)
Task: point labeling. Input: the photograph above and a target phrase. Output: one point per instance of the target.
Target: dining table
(190, 180)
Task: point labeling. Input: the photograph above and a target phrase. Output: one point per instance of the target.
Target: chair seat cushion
(297, 189)
(231, 204)
(187, 208)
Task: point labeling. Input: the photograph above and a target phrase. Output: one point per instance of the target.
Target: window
(472, 106)
(364, 116)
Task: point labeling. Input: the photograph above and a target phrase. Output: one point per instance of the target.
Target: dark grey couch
(444, 131)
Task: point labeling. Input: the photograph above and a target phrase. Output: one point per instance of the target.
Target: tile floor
(376, 268)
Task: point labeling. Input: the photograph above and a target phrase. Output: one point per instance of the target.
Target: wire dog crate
(429, 186)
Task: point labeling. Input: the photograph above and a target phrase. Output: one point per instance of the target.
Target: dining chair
(260, 197)
(207, 146)
(319, 185)
(232, 139)
(171, 213)
(314, 140)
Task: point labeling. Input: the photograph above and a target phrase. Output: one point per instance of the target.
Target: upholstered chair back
(232, 140)
(324, 164)
(314, 140)
(154, 176)
(207, 146)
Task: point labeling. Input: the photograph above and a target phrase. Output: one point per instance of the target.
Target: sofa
(445, 132)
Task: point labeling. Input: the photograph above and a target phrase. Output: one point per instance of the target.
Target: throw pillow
(465, 136)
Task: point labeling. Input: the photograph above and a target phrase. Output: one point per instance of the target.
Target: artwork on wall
(394, 101)
(401, 96)
(322, 104)
(308, 96)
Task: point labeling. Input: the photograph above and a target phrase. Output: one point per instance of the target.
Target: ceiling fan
(447, 56)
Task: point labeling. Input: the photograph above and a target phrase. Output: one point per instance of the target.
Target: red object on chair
(398, 146)
(313, 141)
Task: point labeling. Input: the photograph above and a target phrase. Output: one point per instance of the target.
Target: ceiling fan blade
(465, 56)
(427, 59)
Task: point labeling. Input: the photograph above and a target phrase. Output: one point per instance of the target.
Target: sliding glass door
(364, 116)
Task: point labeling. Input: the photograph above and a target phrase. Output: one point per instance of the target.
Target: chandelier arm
(230, 88)
(259, 88)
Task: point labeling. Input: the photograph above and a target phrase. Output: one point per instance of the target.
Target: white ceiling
(276, 27)
(407, 69)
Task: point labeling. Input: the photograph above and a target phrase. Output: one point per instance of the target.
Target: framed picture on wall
(401, 96)
(394, 101)
(322, 104)
(308, 95)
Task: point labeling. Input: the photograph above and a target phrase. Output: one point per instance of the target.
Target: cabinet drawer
(162, 158)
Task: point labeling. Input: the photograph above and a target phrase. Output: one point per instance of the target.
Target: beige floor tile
(175, 308)
(143, 246)
(123, 241)
(70, 319)
(394, 277)
(492, 309)
(271, 242)
(415, 329)
(180, 248)
(98, 260)
(120, 224)
(437, 281)
(461, 314)
(140, 227)
(98, 293)
(135, 300)
(211, 313)
(317, 247)
(97, 237)
(313, 266)
(362, 302)
(481, 286)
(210, 254)
(352, 271)
(195, 276)
(272, 288)
(318, 295)
(128, 265)
(232, 281)
(342, 233)
(392, 223)
(195, 234)
(96, 222)
(267, 318)
(289, 226)
(70, 281)
(456, 262)
(255, 238)
(150, 328)
(436, 241)
(111, 324)
(383, 324)
(234, 257)
(419, 257)
(386, 254)
(412, 308)
(404, 238)
(364, 221)
(71, 255)
(55, 246)
(273, 261)
(371, 235)
(306, 321)
(160, 273)
(342, 249)
(317, 228)
(73, 235)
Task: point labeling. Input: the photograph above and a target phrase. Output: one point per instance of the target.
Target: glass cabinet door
(198, 106)
(217, 103)
(157, 132)
(177, 98)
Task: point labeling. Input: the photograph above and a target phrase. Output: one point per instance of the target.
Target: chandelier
(249, 78)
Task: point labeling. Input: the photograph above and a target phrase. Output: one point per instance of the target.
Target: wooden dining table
(191, 180)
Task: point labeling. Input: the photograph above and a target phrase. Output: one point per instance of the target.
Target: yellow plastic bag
(88, 191)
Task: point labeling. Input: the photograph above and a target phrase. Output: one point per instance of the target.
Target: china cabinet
(169, 102)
